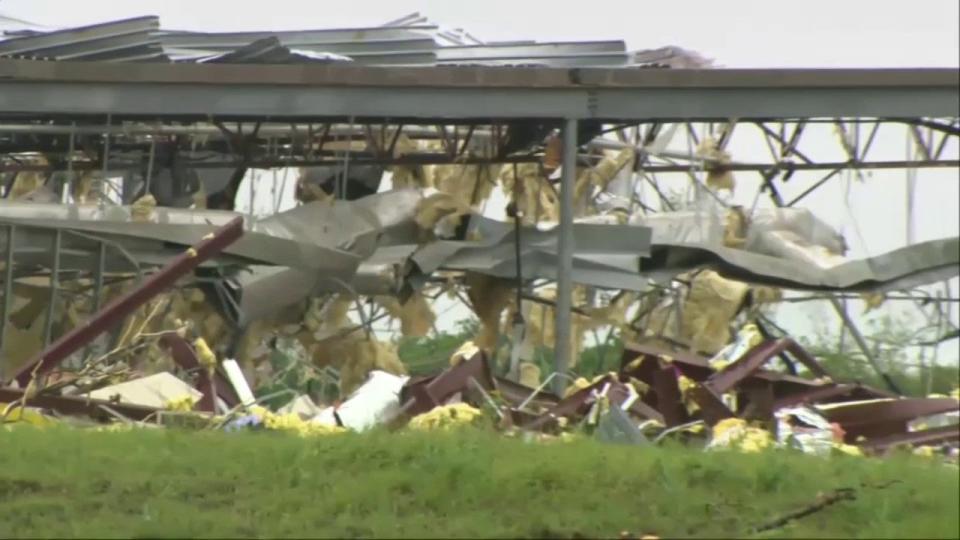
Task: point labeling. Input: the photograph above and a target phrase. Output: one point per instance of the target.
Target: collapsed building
(124, 147)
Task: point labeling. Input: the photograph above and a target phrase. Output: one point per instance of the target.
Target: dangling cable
(517, 323)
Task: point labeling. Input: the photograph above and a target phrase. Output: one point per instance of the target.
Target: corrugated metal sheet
(123, 40)
(270, 51)
(412, 40)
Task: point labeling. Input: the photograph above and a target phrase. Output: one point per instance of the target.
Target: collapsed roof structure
(123, 144)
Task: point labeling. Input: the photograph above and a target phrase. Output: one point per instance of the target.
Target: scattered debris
(157, 391)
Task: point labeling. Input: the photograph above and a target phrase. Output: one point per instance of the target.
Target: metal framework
(98, 116)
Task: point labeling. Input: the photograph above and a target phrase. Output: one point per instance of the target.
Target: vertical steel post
(97, 290)
(7, 292)
(54, 285)
(562, 332)
(66, 190)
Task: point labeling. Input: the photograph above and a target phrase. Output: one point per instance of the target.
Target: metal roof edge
(484, 77)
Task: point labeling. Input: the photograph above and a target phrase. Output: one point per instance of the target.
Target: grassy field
(168, 484)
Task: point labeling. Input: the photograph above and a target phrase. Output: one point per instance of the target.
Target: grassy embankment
(62, 482)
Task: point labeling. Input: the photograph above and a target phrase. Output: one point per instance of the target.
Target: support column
(565, 264)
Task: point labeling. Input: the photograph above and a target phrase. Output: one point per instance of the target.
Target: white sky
(736, 33)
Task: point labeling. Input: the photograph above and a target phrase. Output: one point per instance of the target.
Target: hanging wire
(153, 151)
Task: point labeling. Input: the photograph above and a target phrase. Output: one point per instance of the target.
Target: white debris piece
(151, 391)
(805, 429)
(239, 382)
(376, 402)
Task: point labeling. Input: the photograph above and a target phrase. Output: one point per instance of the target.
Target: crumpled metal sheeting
(259, 291)
(264, 245)
(707, 226)
(358, 226)
(910, 266)
(605, 256)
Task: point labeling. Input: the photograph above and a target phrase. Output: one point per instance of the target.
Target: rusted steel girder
(931, 436)
(423, 394)
(185, 357)
(831, 392)
(78, 406)
(68, 343)
(575, 403)
(755, 358)
(669, 400)
(878, 419)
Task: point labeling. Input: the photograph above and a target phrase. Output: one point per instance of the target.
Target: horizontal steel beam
(466, 103)
(440, 94)
(410, 159)
(79, 405)
(794, 166)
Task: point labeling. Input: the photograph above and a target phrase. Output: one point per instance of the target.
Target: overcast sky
(735, 33)
(817, 33)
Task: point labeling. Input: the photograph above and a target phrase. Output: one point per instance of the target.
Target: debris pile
(742, 403)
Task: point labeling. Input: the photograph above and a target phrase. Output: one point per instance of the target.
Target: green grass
(169, 484)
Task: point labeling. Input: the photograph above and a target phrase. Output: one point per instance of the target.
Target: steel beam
(562, 348)
(7, 291)
(438, 104)
(79, 406)
(63, 347)
(933, 436)
(438, 93)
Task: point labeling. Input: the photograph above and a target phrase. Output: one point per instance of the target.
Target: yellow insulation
(488, 296)
(28, 181)
(536, 198)
(529, 374)
(599, 176)
(416, 315)
(718, 176)
(446, 417)
(467, 184)
(438, 207)
(735, 228)
(142, 210)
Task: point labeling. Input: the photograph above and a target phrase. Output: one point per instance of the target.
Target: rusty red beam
(712, 407)
(185, 357)
(931, 436)
(422, 395)
(669, 399)
(756, 358)
(697, 368)
(746, 365)
(186, 262)
(806, 359)
(829, 392)
(515, 393)
(78, 406)
(814, 395)
(574, 404)
(879, 419)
